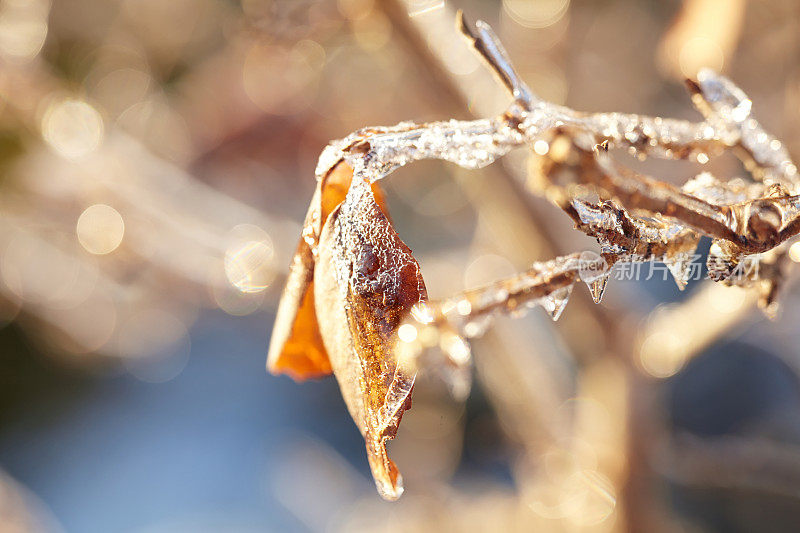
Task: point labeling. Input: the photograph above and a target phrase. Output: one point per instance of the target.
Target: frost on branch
(355, 303)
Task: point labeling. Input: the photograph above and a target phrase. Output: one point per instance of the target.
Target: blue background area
(119, 454)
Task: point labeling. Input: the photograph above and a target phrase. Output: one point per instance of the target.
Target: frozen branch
(638, 218)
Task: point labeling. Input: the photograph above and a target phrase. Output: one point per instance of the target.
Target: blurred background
(156, 161)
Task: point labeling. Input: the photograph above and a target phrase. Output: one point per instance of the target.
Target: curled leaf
(350, 283)
(296, 347)
(366, 280)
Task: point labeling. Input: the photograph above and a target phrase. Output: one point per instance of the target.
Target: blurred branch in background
(159, 241)
(20, 510)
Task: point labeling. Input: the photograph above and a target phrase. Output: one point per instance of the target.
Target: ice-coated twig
(444, 324)
(753, 225)
(546, 284)
(638, 218)
(728, 108)
(488, 46)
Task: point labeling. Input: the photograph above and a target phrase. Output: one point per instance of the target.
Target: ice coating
(728, 107)
(714, 191)
(546, 284)
(668, 221)
(366, 280)
(357, 259)
(738, 214)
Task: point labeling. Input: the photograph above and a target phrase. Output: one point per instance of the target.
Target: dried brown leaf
(350, 283)
(367, 280)
(296, 346)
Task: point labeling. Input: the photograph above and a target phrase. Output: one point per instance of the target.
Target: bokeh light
(249, 260)
(100, 229)
(73, 128)
(23, 28)
(536, 13)
(794, 252)
(661, 354)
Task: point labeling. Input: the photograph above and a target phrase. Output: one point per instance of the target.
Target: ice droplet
(459, 382)
(477, 326)
(597, 287)
(389, 492)
(767, 301)
(771, 310)
(555, 302)
(679, 268)
(456, 372)
(422, 313)
(456, 348)
(725, 98)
